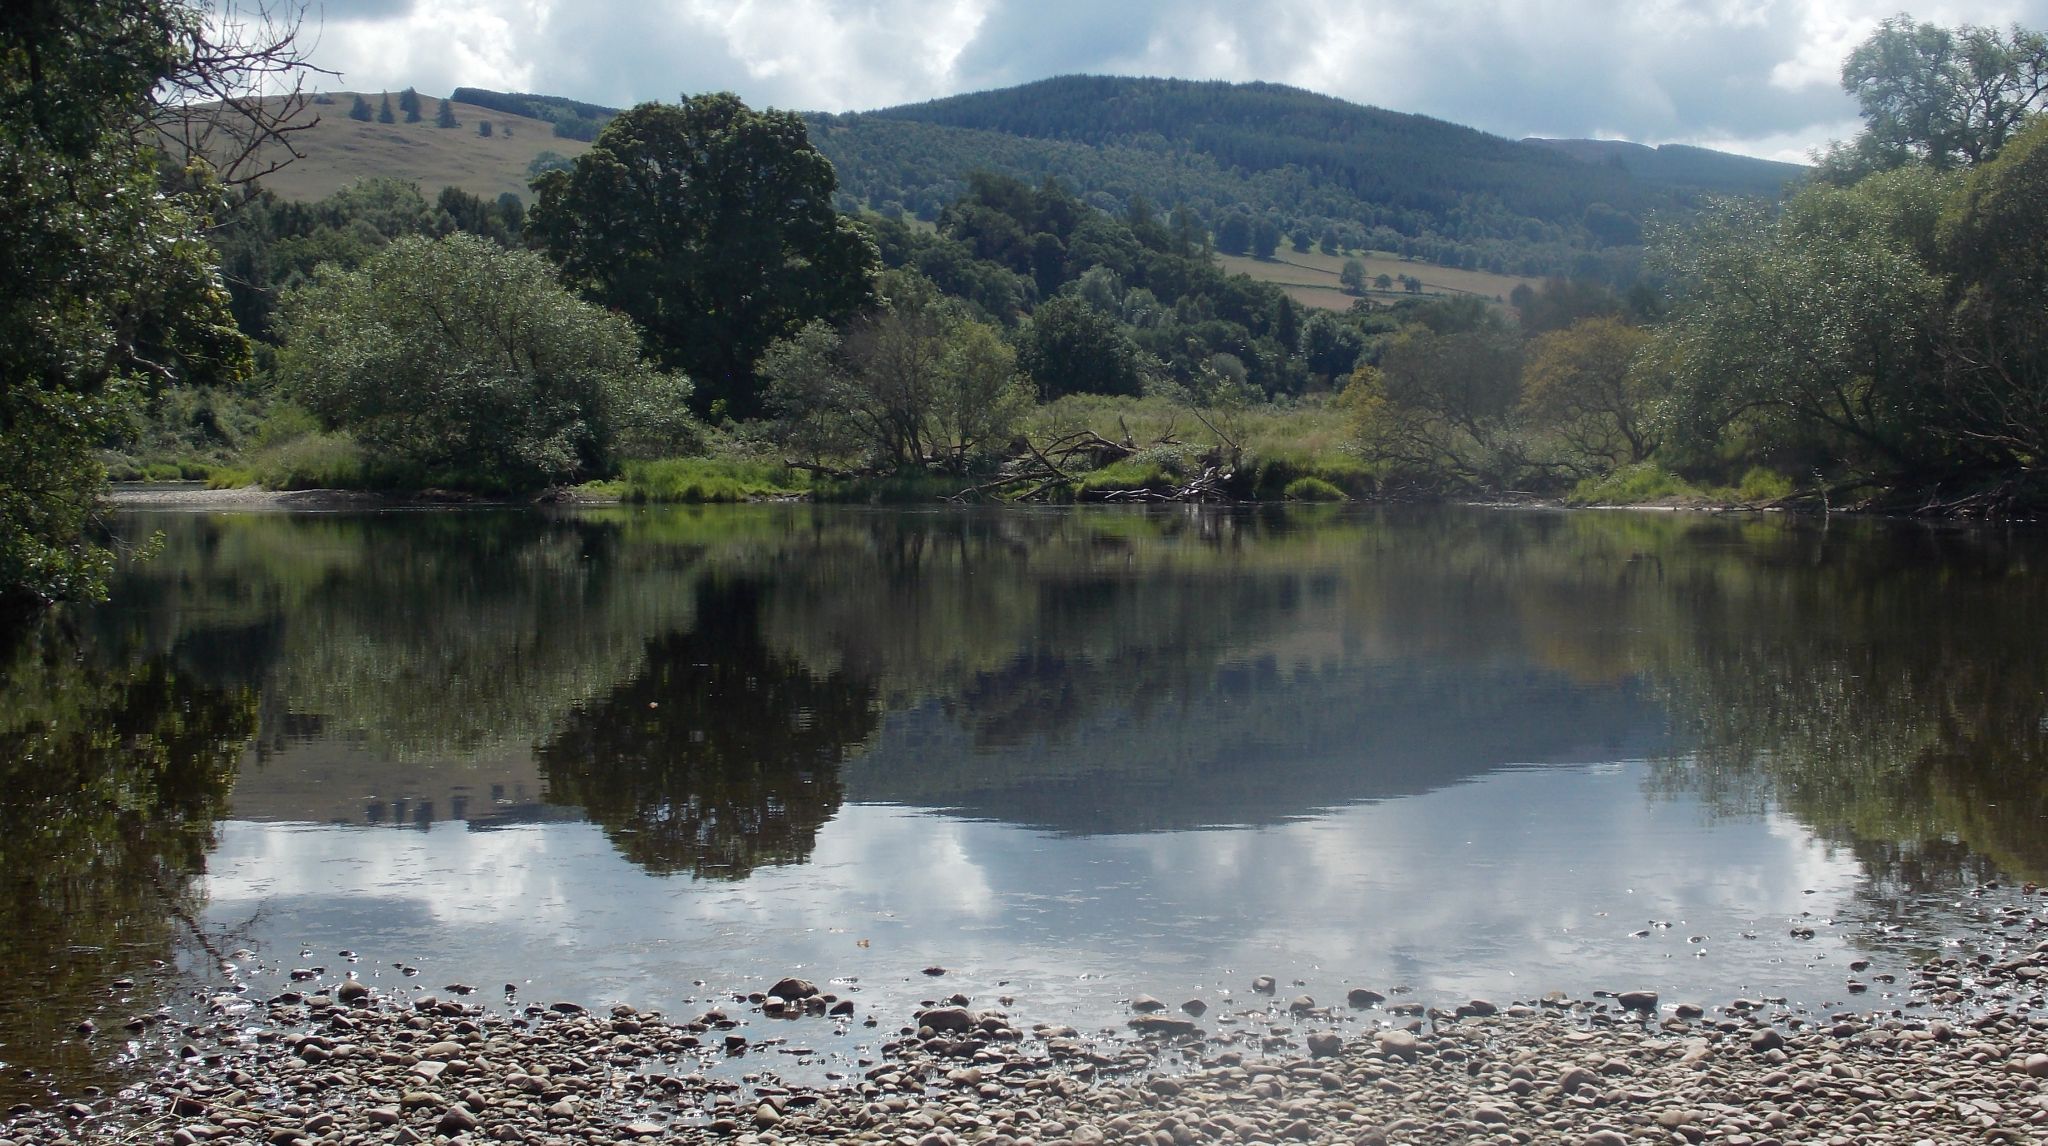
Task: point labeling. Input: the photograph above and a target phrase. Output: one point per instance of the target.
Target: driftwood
(1041, 469)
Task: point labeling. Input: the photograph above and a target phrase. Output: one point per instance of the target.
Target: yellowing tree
(1582, 384)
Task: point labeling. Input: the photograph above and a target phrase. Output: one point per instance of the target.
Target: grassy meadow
(1310, 278)
(339, 151)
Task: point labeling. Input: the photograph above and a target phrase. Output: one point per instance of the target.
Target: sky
(1760, 77)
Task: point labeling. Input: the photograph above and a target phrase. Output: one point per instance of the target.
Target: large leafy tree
(106, 289)
(1940, 96)
(466, 362)
(712, 225)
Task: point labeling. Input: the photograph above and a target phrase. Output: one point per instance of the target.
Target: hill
(1382, 180)
(1676, 165)
(1355, 177)
(339, 151)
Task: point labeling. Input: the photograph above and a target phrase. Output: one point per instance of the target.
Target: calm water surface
(658, 756)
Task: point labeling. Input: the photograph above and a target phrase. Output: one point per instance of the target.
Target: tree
(360, 110)
(458, 361)
(1583, 384)
(1940, 96)
(1383, 281)
(409, 103)
(1441, 406)
(911, 385)
(1329, 244)
(1301, 240)
(483, 128)
(106, 288)
(1072, 348)
(1806, 334)
(712, 225)
(445, 117)
(384, 114)
(1353, 277)
(1265, 238)
(1234, 234)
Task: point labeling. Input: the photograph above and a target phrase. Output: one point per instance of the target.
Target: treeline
(1878, 341)
(570, 119)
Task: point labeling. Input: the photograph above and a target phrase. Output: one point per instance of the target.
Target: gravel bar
(338, 1063)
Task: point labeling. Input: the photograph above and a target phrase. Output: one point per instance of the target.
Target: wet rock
(1301, 1005)
(793, 989)
(1399, 1044)
(1195, 1007)
(1644, 1001)
(1325, 1045)
(1477, 1008)
(1265, 985)
(455, 1120)
(947, 1019)
(1146, 1004)
(1361, 998)
(1765, 1040)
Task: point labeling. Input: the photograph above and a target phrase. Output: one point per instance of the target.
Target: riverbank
(339, 1061)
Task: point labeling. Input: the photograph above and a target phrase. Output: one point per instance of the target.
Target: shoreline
(197, 498)
(334, 1061)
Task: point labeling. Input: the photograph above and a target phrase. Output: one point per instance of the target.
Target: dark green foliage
(409, 103)
(572, 119)
(483, 128)
(1070, 347)
(1234, 234)
(360, 110)
(384, 113)
(446, 116)
(1265, 238)
(106, 290)
(269, 244)
(712, 225)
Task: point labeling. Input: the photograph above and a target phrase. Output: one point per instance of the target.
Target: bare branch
(238, 98)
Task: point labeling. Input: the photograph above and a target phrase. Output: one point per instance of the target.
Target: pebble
(1975, 1070)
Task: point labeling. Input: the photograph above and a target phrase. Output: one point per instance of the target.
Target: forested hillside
(1349, 177)
(1360, 177)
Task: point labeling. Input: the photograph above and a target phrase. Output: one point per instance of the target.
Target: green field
(1311, 279)
(339, 151)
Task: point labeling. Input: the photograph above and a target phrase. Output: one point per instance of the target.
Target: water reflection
(719, 755)
(113, 780)
(1417, 744)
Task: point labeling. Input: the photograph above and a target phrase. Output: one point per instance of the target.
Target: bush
(1313, 489)
(1640, 484)
(471, 365)
(1760, 484)
(700, 480)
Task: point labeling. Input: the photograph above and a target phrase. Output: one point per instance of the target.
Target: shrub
(1633, 485)
(1313, 489)
(460, 360)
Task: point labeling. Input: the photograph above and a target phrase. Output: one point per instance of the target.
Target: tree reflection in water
(112, 780)
(719, 755)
